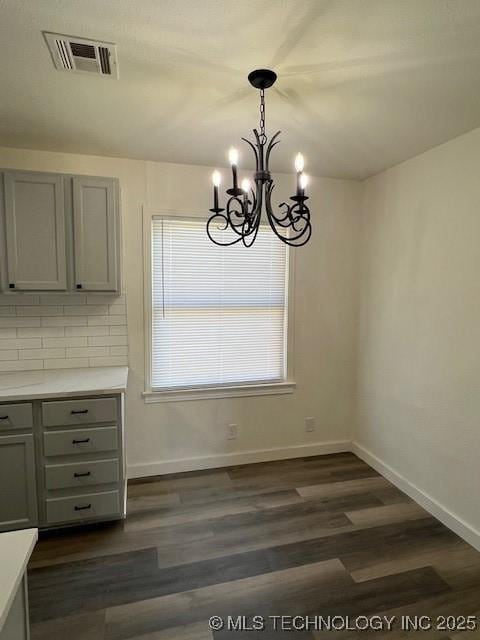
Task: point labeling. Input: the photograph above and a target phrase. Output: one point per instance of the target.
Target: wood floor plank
(344, 488)
(194, 631)
(82, 626)
(387, 514)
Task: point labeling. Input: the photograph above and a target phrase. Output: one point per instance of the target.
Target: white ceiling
(363, 84)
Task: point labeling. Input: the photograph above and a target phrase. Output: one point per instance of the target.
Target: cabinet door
(95, 222)
(35, 231)
(18, 493)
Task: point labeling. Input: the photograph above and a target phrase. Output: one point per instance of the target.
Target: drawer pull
(77, 413)
(3, 417)
(86, 506)
(81, 441)
(82, 475)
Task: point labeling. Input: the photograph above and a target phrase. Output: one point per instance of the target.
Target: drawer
(84, 507)
(61, 413)
(16, 416)
(77, 441)
(79, 474)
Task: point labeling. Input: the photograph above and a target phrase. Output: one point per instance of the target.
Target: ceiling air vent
(70, 53)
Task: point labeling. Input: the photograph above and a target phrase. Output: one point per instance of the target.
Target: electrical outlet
(232, 431)
(309, 424)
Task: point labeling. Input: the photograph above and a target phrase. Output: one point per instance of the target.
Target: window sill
(208, 393)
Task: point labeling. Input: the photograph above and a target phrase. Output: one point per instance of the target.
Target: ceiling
(363, 84)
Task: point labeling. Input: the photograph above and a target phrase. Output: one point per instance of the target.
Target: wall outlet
(232, 431)
(310, 424)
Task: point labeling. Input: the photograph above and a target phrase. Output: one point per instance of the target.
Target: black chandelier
(243, 211)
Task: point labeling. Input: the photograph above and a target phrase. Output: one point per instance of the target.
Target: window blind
(218, 313)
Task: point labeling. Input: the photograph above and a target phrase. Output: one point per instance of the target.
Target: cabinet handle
(86, 506)
(77, 413)
(82, 475)
(11, 285)
(3, 417)
(79, 286)
(80, 441)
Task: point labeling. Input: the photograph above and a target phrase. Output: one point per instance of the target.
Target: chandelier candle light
(243, 212)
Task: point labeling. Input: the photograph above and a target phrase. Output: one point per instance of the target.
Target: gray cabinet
(61, 461)
(35, 231)
(60, 232)
(95, 223)
(18, 493)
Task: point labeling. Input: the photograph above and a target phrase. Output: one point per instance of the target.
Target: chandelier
(241, 217)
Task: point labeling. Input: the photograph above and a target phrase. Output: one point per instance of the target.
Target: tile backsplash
(62, 331)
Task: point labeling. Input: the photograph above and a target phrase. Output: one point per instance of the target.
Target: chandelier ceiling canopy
(240, 220)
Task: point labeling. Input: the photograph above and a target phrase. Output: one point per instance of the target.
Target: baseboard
(447, 517)
(230, 459)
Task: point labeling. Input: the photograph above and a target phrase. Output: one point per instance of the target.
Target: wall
(185, 435)
(419, 340)
(62, 331)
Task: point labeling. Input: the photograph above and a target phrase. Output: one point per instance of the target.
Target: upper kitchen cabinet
(35, 231)
(95, 231)
(60, 232)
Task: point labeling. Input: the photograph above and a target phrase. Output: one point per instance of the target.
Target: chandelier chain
(263, 137)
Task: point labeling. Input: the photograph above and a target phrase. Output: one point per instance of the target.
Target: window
(218, 314)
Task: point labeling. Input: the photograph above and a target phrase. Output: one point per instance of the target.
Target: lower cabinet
(61, 462)
(18, 491)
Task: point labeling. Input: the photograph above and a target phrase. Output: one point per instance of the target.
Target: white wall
(419, 340)
(184, 435)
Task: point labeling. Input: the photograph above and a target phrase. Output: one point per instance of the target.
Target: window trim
(199, 393)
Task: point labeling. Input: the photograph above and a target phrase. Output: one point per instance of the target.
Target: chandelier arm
(271, 144)
(212, 220)
(298, 211)
(255, 151)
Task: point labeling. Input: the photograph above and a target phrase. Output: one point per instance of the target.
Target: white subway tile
(41, 354)
(9, 354)
(8, 333)
(40, 310)
(119, 351)
(101, 341)
(20, 343)
(84, 310)
(86, 331)
(7, 311)
(67, 363)
(101, 298)
(77, 341)
(117, 310)
(41, 332)
(64, 299)
(19, 322)
(21, 365)
(17, 299)
(110, 361)
(118, 331)
(86, 352)
(106, 320)
(64, 321)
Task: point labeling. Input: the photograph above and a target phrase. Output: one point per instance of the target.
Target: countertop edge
(59, 383)
(63, 394)
(13, 588)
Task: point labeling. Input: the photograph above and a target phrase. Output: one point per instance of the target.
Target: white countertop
(15, 550)
(32, 385)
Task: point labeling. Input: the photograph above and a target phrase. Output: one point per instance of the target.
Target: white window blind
(218, 313)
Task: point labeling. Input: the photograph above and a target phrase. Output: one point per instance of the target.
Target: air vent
(70, 53)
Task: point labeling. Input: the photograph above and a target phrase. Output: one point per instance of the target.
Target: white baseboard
(447, 517)
(230, 459)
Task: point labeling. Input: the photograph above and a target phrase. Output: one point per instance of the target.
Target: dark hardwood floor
(324, 536)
